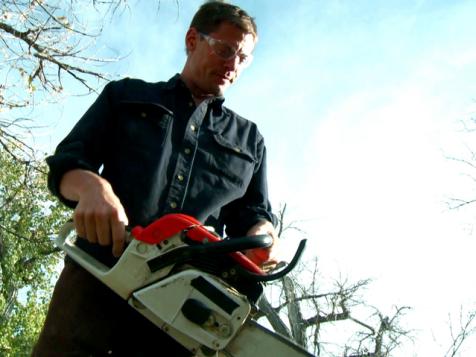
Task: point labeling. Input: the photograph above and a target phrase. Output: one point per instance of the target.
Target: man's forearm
(76, 183)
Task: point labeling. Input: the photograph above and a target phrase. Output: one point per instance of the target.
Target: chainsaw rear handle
(66, 243)
(187, 253)
(126, 276)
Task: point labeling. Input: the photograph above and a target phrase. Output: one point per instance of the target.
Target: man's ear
(191, 39)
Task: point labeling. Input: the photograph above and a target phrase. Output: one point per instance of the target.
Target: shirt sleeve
(240, 215)
(84, 147)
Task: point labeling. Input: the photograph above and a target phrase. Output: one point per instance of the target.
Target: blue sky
(359, 102)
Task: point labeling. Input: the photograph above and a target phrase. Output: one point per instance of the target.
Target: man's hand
(99, 216)
(263, 257)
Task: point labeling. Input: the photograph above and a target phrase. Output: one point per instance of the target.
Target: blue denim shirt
(162, 154)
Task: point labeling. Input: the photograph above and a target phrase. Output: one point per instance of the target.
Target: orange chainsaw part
(174, 223)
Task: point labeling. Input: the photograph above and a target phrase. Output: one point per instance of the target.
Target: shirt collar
(176, 83)
(217, 105)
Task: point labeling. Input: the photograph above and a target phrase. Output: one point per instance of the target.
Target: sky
(360, 103)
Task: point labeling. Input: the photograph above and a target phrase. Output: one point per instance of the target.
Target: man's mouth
(224, 78)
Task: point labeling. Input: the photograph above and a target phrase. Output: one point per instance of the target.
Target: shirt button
(143, 115)
(180, 177)
(173, 204)
(187, 151)
(193, 127)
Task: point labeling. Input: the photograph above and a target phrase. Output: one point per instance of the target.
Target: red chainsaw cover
(172, 224)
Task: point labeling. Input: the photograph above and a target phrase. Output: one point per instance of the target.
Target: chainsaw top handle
(202, 241)
(187, 253)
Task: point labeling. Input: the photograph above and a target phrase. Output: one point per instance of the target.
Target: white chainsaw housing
(161, 298)
(165, 299)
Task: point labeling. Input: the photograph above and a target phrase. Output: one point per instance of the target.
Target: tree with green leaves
(46, 47)
(29, 218)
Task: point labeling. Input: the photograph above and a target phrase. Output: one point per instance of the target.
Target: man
(143, 150)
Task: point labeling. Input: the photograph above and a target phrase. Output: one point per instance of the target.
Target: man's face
(217, 59)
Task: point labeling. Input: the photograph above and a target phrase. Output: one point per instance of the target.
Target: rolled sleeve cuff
(244, 221)
(59, 165)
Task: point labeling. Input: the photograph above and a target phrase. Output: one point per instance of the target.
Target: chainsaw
(195, 286)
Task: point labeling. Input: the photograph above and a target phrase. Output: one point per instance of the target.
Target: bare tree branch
(273, 317)
(44, 42)
(302, 308)
(466, 328)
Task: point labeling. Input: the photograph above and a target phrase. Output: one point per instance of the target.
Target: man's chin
(217, 89)
(220, 90)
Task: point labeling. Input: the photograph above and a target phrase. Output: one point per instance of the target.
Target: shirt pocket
(233, 162)
(143, 126)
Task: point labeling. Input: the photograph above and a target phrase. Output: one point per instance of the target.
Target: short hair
(212, 13)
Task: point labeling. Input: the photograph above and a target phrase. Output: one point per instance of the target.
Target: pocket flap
(238, 149)
(146, 106)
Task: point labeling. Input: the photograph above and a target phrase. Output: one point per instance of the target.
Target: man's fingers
(79, 225)
(99, 216)
(103, 230)
(90, 227)
(269, 265)
(118, 238)
(259, 256)
(263, 257)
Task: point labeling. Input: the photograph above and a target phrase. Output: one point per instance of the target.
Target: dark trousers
(86, 318)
